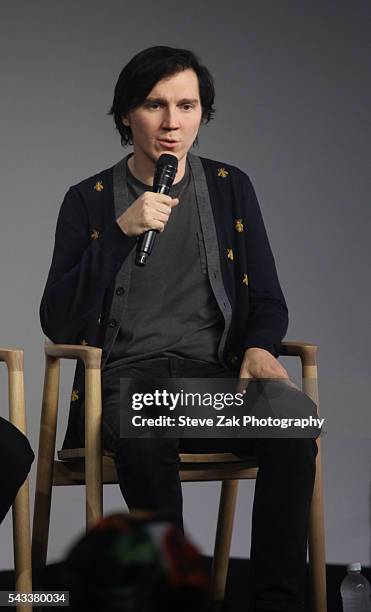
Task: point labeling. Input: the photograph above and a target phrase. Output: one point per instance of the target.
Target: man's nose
(171, 118)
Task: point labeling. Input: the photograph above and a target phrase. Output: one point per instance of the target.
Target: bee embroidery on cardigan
(84, 343)
(232, 358)
(222, 172)
(245, 279)
(230, 254)
(98, 186)
(238, 225)
(94, 235)
(74, 395)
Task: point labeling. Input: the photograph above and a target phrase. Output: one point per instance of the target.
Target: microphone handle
(145, 246)
(147, 240)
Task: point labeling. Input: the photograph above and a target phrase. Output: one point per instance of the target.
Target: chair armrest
(305, 350)
(13, 359)
(90, 355)
(17, 411)
(308, 356)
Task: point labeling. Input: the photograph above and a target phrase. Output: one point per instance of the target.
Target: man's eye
(156, 105)
(153, 105)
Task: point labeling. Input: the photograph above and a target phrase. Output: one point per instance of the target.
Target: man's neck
(145, 172)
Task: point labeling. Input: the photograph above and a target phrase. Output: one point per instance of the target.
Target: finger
(273, 372)
(154, 224)
(160, 207)
(161, 198)
(287, 381)
(158, 215)
(242, 384)
(282, 375)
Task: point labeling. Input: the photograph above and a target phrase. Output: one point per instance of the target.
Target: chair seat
(79, 453)
(200, 467)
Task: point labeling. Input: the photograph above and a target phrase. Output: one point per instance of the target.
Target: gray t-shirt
(171, 308)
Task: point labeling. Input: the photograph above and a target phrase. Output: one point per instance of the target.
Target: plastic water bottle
(355, 590)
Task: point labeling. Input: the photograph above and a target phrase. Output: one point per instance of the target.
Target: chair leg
(316, 531)
(45, 466)
(94, 495)
(22, 543)
(93, 446)
(227, 506)
(41, 519)
(316, 542)
(21, 504)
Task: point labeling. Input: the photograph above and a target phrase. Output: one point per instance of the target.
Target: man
(208, 304)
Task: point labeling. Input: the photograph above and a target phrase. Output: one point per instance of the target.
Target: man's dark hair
(142, 73)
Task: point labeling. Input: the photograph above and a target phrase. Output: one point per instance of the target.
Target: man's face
(168, 120)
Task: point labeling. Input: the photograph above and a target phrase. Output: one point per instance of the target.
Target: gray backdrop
(293, 96)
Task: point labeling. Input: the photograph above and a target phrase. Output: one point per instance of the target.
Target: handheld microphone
(166, 169)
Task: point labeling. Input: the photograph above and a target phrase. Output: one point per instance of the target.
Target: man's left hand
(259, 363)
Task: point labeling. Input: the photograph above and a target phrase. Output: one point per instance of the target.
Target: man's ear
(125, 120)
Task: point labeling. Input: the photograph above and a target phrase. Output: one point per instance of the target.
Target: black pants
(16, 457)
(148, 471)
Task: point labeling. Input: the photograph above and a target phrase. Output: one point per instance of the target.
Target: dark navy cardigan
(90, 270)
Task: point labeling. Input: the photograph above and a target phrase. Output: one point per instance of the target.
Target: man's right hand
(150, 211)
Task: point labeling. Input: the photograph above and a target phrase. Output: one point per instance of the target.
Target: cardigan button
(112, 323)
(120, 291)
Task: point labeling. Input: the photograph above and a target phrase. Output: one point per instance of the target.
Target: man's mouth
(169, 144)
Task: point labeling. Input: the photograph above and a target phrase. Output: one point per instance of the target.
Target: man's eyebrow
(182, 101)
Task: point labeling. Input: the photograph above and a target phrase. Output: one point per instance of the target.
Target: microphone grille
(165, 172)
(168, 160)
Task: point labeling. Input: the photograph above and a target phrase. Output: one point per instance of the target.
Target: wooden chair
(91, 467)
(21, 509)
